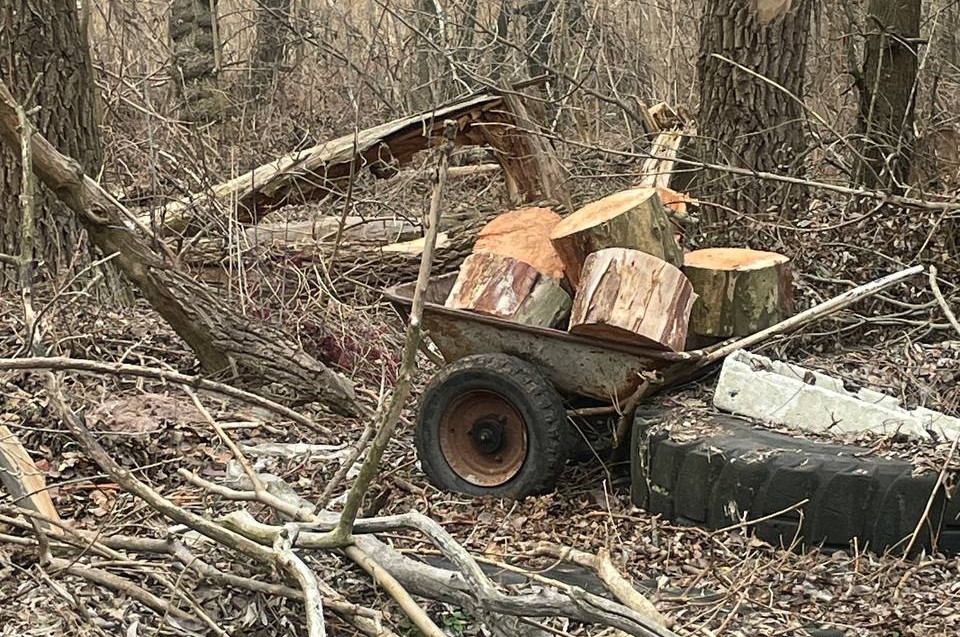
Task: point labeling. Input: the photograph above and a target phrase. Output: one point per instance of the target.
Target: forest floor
(725, 582)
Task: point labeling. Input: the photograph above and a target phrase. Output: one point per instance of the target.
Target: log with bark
(227, 345)
(633, 297)
(509, 289)
(740, 291)
(634, 219)
(325, 228)
(524, 234)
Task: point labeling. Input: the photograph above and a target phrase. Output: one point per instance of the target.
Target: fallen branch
(942, 301)
(312, 602)
(456, 588)
(122, 586)
(609, 575)
(64, 363)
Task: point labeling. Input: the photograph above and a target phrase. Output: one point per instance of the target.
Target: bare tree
(888, 93)
(46, 61)
(751, 70)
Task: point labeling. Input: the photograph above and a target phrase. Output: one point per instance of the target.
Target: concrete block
(784, 394)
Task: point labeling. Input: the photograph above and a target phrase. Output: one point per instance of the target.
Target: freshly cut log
(524, 234)
(633, 297)
(634, 219)
(510, 289)
(741, 291)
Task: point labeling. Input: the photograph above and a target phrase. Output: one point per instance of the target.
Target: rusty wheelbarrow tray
(493, 422)
(577, 366)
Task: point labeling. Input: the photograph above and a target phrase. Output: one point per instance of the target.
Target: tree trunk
(539, 34)
(746, 121)
(888, 93)
(195, 58)
(428, 85)
(268, 49)
(501, 52)
(41, 42)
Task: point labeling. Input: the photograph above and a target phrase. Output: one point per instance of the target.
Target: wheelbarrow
(493, 420)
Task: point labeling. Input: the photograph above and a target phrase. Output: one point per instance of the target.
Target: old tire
(738, 471)
(492, 425)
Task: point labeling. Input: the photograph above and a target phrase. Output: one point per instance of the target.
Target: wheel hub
(483, 438)
(488, 435)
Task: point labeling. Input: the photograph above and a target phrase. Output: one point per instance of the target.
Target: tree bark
(194, 58)
(745, 120)
(42, 45)
(888, 93)
(227, 345)
(510, 289)
(632, 297)
(268, 49)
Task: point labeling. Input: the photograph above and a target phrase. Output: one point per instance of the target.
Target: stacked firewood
(615, 270)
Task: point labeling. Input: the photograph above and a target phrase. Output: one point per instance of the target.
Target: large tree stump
(741, 291)
(634, 297)
(509, 289)
(524, 234)
(634, 219)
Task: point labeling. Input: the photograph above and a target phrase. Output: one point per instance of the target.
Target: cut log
(634, 219)
(741, 291)
(524, 235)
(509, 289)
(634, 297)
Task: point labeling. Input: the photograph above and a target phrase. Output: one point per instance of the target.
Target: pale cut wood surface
(524, 234)
(23, 480)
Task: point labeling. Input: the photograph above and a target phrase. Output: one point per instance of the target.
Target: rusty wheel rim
(483, 438)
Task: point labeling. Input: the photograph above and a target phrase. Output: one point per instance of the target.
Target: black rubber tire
(738, 470)
(539, 404)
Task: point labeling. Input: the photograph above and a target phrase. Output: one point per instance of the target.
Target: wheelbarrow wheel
(492, 425)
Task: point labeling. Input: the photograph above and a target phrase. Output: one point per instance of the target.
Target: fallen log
(634, 219)
(227, 344)
(509, 289)
(740, 291)
(525, 235)
(384, 231)
(531, 170)
(633, 297)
